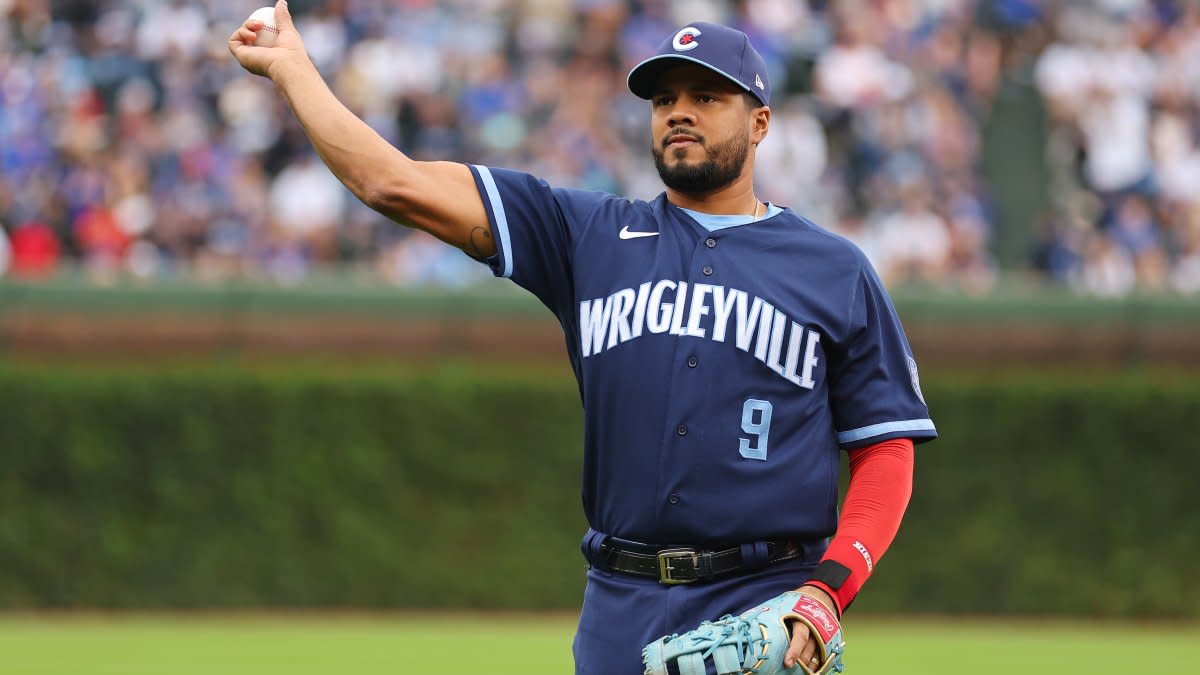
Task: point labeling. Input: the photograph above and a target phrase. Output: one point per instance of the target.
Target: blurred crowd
(133, 146)
(1121, 82)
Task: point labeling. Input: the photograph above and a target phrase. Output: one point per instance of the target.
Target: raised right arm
(437, 197)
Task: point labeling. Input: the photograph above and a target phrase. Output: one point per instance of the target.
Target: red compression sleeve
(881, 478)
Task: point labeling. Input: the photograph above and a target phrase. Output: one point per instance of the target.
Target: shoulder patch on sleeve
(914, 377)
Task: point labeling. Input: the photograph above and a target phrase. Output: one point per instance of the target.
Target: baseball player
(727, 350)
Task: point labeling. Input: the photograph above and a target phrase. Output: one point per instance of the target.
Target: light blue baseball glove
(752, 643)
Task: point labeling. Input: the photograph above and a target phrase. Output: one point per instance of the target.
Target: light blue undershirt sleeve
(712, 223)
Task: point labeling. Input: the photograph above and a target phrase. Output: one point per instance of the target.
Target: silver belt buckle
(669, 558)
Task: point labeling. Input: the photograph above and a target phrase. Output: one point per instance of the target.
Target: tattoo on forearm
(479, 242)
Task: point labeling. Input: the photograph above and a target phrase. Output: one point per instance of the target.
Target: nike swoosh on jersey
(626, 234)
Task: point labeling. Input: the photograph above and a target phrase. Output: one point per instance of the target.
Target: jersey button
(693, 361)
(673, 498)
(707, 270)
(710, 242)
(682, 430)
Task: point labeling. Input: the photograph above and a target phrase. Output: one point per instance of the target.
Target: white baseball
(269, 35)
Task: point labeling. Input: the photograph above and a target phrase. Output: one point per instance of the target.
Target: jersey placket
(683, 418)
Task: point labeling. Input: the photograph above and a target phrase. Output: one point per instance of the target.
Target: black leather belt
(689, 565)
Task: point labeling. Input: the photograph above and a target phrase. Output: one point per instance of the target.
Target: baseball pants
(621, 613)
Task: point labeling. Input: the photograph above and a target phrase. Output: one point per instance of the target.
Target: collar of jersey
(713, 222)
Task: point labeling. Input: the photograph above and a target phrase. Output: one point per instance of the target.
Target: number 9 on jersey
(756, 421)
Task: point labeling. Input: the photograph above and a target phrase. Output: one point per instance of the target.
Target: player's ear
(760, 123)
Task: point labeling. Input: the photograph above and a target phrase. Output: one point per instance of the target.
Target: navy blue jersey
(720, 372)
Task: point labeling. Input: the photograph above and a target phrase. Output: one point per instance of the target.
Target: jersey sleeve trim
(863, 433)
(500, 219)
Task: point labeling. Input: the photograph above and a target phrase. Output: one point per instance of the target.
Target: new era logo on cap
(724, 50)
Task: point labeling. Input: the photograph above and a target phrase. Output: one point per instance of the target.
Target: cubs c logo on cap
(685, 39)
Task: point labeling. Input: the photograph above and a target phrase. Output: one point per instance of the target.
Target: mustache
(680, 131)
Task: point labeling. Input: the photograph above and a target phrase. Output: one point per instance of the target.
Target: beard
(722, 165)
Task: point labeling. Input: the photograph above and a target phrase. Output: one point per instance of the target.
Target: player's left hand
(804, 646)
(755, 642)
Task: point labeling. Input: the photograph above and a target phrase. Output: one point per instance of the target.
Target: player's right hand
(264, 60)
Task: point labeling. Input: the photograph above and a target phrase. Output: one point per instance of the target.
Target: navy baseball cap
(719, 48)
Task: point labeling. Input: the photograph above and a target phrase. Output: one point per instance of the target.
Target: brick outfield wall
(341, 318)
(537, 337)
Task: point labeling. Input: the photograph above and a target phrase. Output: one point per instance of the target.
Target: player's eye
(706, 98)
(661, 101)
